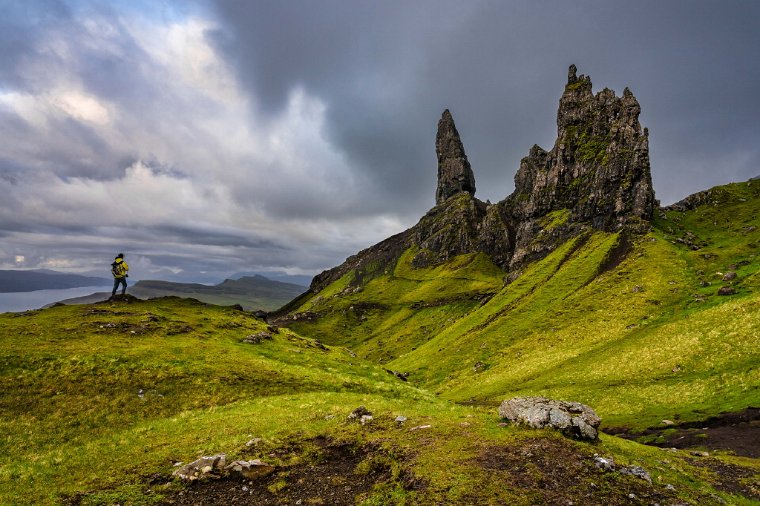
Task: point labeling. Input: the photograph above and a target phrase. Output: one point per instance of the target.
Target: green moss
(555, 219)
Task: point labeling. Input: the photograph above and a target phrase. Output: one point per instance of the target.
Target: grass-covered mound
(100, 401)
(631, 324)
(89, 392)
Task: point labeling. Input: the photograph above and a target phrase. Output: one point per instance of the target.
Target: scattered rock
(668, 422)
(700, 454)
(403, 376)
(358, 413)
(257, 338)
(669, 487)
(254, 442)
(204, 467)
(729, 276)
(479, 366)
(605, 464)
(637, 289)
(365, 419)
(637, 471)
(726, 290)
(571, 418)
(248, 469)
(420, 427)
(400, 419)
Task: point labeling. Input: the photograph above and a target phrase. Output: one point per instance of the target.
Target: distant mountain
(251, 292)
(29, 281)
(295, 279)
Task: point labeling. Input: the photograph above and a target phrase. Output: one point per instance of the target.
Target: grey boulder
(571, 418)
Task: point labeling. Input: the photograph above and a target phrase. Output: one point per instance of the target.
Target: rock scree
(571, 418)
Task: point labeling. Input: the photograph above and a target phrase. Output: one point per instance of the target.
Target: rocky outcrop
(596, 176)
(571, 418)
(216, 467)
(598, 172)
(454, 171)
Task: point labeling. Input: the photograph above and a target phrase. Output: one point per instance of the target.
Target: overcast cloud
(207, 138)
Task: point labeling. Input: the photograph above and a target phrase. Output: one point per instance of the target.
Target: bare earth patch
(552, 471)
(330, 480)
(737, 432)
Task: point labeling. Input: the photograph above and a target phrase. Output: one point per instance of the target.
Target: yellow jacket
(121, 267)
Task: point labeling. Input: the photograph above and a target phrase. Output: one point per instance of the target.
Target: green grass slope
(99, 401)
(83, 388)
(640, 337)
(400, 309)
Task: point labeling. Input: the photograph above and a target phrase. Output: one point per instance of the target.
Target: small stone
(668, 422)
(201, 468)
(729, 276)
(669, 487)
(400, 419)
(700, 454)
(365, 419)
(605, 464)
(249, 469)
(358, 413)
(420, 427)
(726, 290)
(257, 338)
(637, 471)
(254, 442)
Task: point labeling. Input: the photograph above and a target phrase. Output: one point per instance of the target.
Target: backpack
(117, 269)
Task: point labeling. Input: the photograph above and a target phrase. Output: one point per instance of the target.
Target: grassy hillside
(634, 327)
(100, 401)
(89, 389)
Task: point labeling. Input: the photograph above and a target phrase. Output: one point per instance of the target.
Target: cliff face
(597, 176)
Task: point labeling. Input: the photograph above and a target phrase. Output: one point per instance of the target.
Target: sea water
(22, 301)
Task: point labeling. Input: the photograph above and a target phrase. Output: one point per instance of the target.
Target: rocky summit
(454, 171)
(595, 177)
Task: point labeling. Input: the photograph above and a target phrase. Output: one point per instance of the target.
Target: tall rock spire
(454, 171)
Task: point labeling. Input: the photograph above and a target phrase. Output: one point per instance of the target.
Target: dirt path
(737, 432)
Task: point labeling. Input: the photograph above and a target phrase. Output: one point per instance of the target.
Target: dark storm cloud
(387, 69)
(220, 136)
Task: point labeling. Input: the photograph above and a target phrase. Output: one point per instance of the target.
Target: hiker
(119, 269)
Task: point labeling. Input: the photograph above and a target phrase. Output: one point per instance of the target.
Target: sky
(205, 138)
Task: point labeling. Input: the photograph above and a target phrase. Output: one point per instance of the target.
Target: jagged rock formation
(596, 176)
(454, 171)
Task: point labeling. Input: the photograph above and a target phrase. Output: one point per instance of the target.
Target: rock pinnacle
(454, 171)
